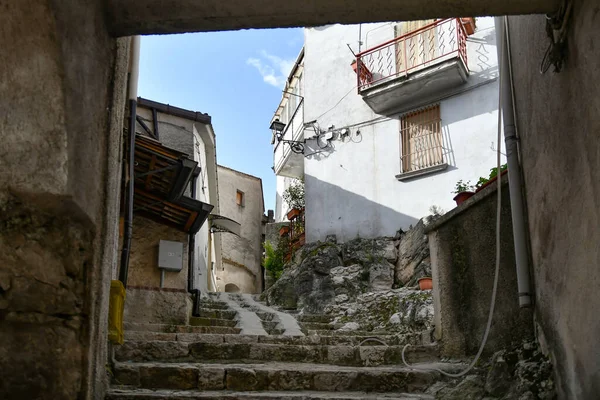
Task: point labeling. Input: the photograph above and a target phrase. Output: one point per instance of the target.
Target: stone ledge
(157, 289)
(425, 171)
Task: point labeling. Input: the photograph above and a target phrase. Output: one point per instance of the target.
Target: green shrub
(274, 259)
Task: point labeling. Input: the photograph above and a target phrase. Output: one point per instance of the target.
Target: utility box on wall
(170, 255)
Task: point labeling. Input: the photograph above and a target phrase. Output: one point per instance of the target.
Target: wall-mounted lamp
(278, 128)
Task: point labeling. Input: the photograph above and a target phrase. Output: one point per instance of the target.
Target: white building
(385, 143)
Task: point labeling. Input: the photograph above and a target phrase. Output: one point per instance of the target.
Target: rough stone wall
(62, 92)
(167, 306)
(558, 120)
(143, 260)
(145, 302)
(463, 251)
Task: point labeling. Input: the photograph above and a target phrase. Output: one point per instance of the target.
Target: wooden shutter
(414, 50)
(421, 137)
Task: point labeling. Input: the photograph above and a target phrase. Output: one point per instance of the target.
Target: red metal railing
(429, 45)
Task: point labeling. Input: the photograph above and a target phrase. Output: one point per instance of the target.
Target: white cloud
(273, 69)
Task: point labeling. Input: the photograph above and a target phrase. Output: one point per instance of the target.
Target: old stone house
(171, 214)
(241, 199)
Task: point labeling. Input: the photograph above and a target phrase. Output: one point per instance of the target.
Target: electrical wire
(338, 103)
(497, 269)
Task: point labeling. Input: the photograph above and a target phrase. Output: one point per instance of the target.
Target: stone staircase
(212, 359)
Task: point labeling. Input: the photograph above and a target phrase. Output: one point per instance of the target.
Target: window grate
(421, 139)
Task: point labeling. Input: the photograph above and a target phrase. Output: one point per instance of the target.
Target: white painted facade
(351, 181)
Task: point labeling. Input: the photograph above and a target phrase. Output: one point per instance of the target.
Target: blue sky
(236, 77)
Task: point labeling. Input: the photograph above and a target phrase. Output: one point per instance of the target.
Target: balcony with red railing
(414, 66)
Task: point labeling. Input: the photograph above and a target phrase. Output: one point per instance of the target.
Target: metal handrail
(458, 36)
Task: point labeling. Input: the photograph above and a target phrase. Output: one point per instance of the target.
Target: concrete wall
(559, 124)
(351, 188)
(463, 251)
(241, 256)
(128, 17)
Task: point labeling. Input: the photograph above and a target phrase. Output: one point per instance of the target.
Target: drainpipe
(192, 253)
(133, 88)
(515, 183)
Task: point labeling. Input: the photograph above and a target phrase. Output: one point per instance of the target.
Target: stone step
(145, 394)
(164, 328)
(199, 321)
(180, 351)
(316, 326)
(217, 305)
(390, 340)
(276, 331)
(277, 377)
(265, 316)
(270, 325)
(314, 318)
(216, 313)
(330, 332)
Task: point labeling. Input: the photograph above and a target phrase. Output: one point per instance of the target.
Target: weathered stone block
(333, 381)
(372, 355)
(240, 339)
(200, 337)
(169, 377)
(126, 375)
(342, 355)
(289, 380)
(241, 379)
(381, 276)
(211, 378)
(151, 351)
(210, 351)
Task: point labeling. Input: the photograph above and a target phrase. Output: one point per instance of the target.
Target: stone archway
(232, 288)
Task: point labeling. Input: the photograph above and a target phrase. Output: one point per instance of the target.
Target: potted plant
(425, 283)
(485, 182)
(365, 75)
(294, 197)
(469, 25)
(463, 191)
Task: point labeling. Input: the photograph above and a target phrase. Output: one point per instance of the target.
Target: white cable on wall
(498, 221)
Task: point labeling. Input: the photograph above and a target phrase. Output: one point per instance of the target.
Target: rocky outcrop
(330, 274)
(395, 310)
(413, 260)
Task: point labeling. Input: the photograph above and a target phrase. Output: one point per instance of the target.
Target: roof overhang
(162, 175)
(220, 223)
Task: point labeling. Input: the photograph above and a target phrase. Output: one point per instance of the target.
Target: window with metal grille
(421, 139)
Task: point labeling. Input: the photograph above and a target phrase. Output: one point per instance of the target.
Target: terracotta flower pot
(469, 24)
(294, 212)
(462, 196)
(284, 230)
(425, 283)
